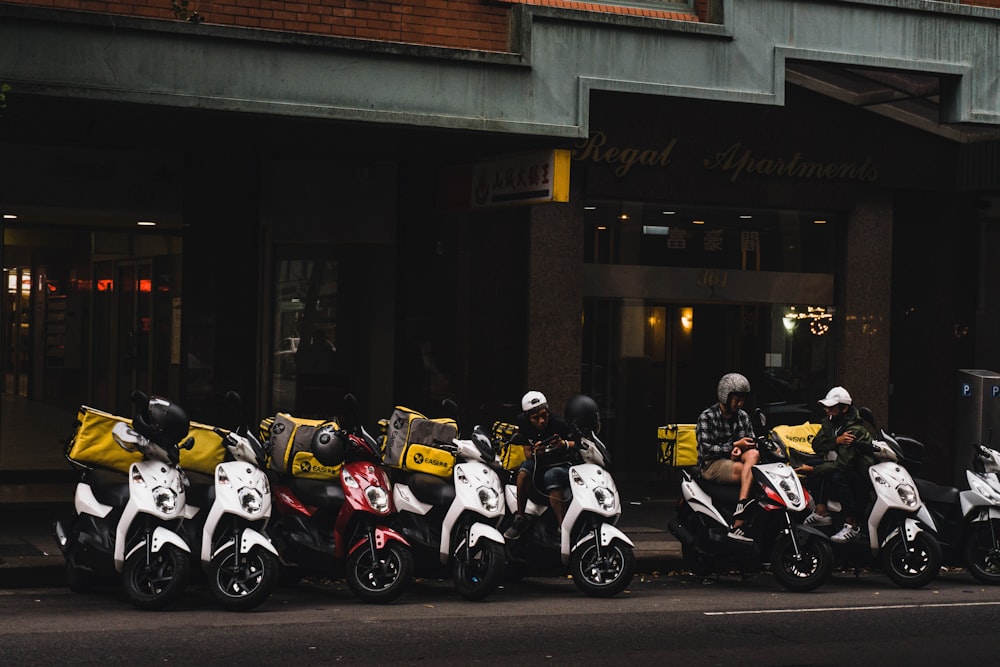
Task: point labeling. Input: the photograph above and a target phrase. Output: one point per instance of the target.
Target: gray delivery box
(977, 413)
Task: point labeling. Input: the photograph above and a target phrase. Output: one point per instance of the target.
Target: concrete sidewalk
(29, 556)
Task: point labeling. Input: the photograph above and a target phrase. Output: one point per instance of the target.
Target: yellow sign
(528, 178)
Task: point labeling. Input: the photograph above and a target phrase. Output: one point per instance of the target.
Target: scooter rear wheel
(982, 552)
(242, 583)
(156, 584)
(478, 570)
(913, 565)
(602, 571)
(382, 577)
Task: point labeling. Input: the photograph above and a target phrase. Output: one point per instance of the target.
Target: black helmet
(583, 413)
(329, 445)
(161, 421)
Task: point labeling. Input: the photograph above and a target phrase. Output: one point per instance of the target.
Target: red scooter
(339, 526)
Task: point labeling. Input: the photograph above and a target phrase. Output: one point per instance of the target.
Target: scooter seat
(110, 488)
(320, 493)
(430, 489)
(935, 493)
(725, 495)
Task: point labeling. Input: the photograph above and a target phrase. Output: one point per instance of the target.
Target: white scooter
(900, 527)
(601, 558)
(453, 521)
(133, 529)
(237, 555)
(967, 522)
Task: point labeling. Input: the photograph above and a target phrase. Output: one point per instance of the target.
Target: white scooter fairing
(156, 488)
(592, 490)
(477, 489)
(895, 490)
(241, 489)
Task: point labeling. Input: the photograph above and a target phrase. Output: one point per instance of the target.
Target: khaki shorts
(719, 470)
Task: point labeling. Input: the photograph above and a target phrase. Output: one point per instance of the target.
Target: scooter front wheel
(982, 552)
(602, 571)
(242, 582)
(158, 582)
(913, 564)
(382, 576)
(803, 570)
(477, 571)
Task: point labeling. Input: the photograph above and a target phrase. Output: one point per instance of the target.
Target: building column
(865, 295)
(555, 301)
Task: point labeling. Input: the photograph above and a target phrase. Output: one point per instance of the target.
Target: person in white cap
(538, 430)
(847, 443)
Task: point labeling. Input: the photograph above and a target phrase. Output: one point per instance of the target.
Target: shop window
(656, 234)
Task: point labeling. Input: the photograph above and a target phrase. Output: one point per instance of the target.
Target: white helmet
(533, 400)
(836, 396)
(732, 383)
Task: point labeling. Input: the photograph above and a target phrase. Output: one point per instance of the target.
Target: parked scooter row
(144, 528)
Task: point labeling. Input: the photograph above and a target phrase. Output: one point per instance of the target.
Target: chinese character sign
(521, 179)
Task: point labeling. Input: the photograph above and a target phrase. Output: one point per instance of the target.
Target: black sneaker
(742, 506)
(517, 528)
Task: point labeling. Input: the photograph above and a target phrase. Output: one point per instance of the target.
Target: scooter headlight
(377, 498)
(251, 500)
(606, 498)
(165, 499)
(907, 494)
(489, 498)
(790, 493)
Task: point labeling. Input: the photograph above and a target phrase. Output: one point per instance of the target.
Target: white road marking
(867, 608)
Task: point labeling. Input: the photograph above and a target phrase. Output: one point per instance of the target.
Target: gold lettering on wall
(713, 279)
(737, 161)
(595, 149)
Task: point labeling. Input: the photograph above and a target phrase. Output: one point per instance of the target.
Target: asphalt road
(659, 620)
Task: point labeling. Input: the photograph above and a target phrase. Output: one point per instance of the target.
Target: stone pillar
(863, 348)
(555, 301)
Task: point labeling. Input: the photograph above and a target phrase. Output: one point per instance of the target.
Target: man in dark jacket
(538, 432)
(844, 474)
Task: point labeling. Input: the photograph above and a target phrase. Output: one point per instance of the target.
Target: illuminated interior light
(656, 230)
(9, 216)
(669, 212)
(819, 222)
(697, 222)
(687, 319)
(623, 216)
(746, 217)
(146, 223)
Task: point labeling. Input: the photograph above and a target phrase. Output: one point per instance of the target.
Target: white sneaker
(846, 534)
(738, 535)
(815, 519)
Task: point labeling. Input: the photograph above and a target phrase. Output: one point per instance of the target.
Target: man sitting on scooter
(844, 475)
(727, 451)
(547, 440)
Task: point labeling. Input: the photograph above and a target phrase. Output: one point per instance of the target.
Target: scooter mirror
(868, 415)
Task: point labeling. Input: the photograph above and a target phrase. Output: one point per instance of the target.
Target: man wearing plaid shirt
(727, 450)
